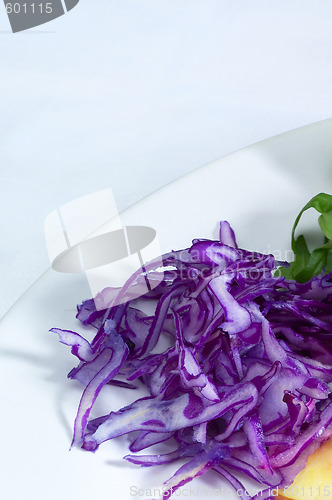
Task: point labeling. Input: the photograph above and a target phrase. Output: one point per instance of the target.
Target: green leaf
(322, 202)
(302, 254)
(306, 265)
(325, 222)
(315, 265)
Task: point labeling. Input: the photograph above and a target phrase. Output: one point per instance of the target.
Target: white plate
(259, 190)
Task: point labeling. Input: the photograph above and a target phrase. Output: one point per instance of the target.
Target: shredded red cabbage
(243, 385)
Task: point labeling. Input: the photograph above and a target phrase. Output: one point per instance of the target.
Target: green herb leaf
(325, 222)
(306, 265)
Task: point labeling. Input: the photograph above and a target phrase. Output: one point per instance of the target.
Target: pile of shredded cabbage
(243, 384)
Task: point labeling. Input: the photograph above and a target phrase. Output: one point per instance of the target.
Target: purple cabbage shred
(243, 385)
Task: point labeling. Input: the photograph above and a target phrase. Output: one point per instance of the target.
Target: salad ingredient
(306, 265)
(243, 384)
(315, 480)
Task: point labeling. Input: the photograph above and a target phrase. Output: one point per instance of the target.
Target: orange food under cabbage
(314, 482)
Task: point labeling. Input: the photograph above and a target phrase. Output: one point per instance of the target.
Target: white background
(132, 94)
